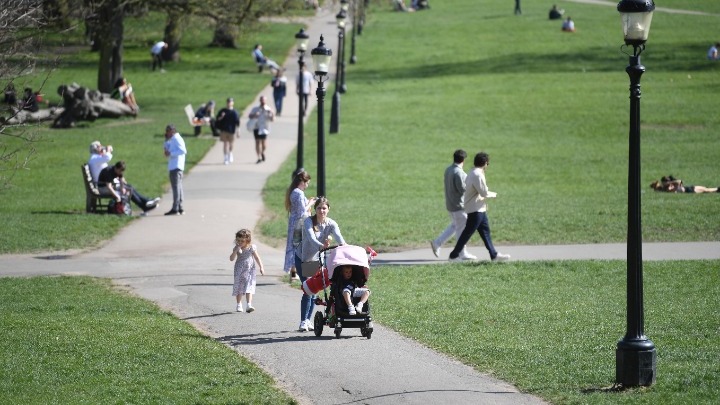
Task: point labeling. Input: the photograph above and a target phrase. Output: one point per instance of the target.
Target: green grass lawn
(54, 219)
(550, 108)
(78, 340)
(551, 328)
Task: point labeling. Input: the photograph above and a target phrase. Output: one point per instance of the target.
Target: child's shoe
(359, 307)
(351, 310)
(239, 308)
(250, 308)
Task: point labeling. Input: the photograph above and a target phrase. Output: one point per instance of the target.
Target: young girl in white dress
(246, 261)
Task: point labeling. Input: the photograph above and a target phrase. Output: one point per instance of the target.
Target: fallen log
(82, 104)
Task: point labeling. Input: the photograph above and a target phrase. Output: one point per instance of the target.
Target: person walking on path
(304, 86)
(175, 151)
(247, 260)
(476, 193)
(298, 208)
(156, 54)
(454, 191)
(228, 123)
(263, 116)
(317, 233)
(279, 85)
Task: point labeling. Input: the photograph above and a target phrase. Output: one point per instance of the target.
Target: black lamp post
(344, 6)
(635, 356)
(361, 19)
(321, 60)
(301, 39)
(353, 57)
(335, 109)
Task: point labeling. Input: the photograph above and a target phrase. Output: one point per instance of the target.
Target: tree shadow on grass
(587, 60)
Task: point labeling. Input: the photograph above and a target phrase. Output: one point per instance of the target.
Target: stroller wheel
(337, 332)
(318, 323)
(366, 332)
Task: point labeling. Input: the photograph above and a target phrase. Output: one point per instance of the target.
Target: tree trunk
(110, 35)
(173, 33)
(224, 35)
(82, 104)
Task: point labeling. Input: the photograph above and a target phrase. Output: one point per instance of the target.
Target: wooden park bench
(95, 201)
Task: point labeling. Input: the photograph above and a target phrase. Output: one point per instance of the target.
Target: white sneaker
(309, 324)
(250, 308)
(230, 158)
(435, 248)
(240, 308)
(467, 256)
(359, 308)
(351, 310)
(303, 326)
(501, 257)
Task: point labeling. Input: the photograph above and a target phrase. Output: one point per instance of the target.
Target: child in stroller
(344, 271)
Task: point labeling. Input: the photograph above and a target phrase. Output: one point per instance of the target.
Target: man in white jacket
(476, 194)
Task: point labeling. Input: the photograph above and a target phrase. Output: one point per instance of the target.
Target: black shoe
(263, 157)
(181, 211)
(172, 212)
(258, 161)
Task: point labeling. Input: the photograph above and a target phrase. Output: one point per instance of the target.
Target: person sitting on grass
(568, 25)
(670, 184)
(555, 13)
(353, 286)
(124, 92)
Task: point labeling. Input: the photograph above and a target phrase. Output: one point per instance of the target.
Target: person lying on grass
(670, 184)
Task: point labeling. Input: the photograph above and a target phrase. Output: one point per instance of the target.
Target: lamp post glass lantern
(301, 40)
(321, 61)
(635, 355)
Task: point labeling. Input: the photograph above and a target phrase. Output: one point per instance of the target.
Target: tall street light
(321, 60)
(301, 39)
(361, 19)
(353, 57)
(335, 109)
(635, 356)
(341, 51)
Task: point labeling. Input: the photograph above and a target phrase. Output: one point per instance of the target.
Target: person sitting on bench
(263, 61)
(110, 180)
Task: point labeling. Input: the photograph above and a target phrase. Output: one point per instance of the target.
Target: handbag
(309, 269)
(251, 124)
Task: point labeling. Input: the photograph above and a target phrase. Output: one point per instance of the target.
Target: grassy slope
(551, 109)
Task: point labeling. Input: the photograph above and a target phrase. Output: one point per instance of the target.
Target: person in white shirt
(713, 52)
(175, 151)
(304, 87)
(476, 195)
(568, 25)
(100, 156)
(156, 53)
(263, 116)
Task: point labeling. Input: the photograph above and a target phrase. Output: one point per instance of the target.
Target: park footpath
(182, 264)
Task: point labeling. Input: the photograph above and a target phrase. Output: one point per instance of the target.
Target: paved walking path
(181, 263)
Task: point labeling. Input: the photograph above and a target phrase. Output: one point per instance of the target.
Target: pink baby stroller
(336, 310)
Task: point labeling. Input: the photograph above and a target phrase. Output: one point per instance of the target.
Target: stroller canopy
(348, 254)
